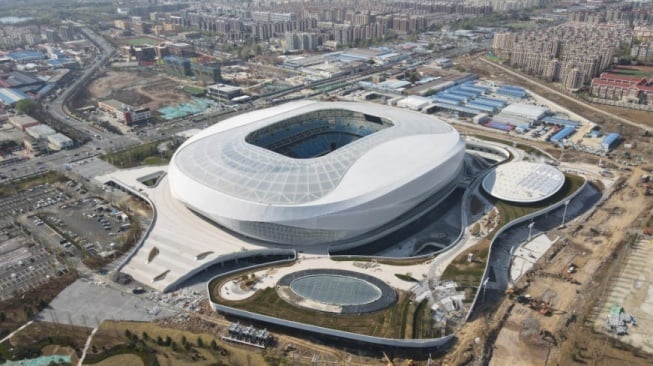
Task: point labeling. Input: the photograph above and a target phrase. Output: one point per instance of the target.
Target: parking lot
(91, 223)
(91, 167)
(27, 201)
(24, 264)
(80, 228)
(49, 227)
(88, 304)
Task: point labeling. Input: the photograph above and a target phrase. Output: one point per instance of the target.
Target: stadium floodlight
(564, 213)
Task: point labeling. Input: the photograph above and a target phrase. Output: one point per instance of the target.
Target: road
(565, 96)
(103, 141)
(100, 140)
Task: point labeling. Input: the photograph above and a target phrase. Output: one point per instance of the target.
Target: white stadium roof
(523, 182)
(392, 160)
(220, 158)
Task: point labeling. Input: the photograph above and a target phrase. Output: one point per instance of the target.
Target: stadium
(311, 173)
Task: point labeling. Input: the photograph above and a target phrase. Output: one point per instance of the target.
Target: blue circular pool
(335, 290)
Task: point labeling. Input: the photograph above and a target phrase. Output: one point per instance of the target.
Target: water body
(14, 20)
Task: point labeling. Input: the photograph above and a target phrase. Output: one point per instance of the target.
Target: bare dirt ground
(567, 336)
(138, 88)
(515, 333)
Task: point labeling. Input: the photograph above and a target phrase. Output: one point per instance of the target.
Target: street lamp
(530, 230)
(564, 213)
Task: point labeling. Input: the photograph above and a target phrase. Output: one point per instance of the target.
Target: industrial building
(610, 141)
(414, 102)
(224, 91)
(519, 114)
(10, 97)
(126, 113)
(22, 81)
(23, 57)
(59, 141)
(23, 121)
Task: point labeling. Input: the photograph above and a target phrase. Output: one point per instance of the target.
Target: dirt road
(562, 95)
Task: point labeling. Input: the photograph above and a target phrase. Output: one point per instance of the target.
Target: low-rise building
(224, 91)
(126, 113)
(59, 141)
(634, 89)
(23, 121)
(40, 131)
(36, 139)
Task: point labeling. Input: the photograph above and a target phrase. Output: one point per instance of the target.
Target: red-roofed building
(635, 89)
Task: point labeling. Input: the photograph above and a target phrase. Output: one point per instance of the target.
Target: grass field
(145, 154)
(396, 321)
(139, 41)
(643, 72)
(131, 342)
(385, 323)
(194, 90)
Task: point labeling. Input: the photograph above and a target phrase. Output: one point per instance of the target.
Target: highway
(101, 141)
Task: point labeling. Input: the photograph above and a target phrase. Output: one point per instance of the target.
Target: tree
(27, 106)
(200, 342)
(214, 345)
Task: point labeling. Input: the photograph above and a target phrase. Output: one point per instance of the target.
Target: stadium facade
(309, 173)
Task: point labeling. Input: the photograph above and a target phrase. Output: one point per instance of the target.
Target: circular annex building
(308, 172)
(523, 182)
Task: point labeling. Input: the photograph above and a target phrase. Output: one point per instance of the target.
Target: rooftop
(39, 131)
(11, 96)
(22, 119)
(523, 182)
(526, 110)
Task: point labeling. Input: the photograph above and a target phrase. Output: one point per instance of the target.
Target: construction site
(587, 299)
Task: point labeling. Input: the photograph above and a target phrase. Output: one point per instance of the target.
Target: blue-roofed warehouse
(610, 141)
(511, 92)
(459, 98)
(444, 99)
(491, 101)
(467, 111)
(11, 96)
(23, 57)
(483, 107)
(471, 87)
(562, 134)
(464, 93)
